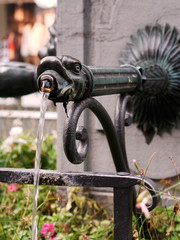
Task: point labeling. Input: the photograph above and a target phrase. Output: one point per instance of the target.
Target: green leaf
(177, 227)
(178, 218)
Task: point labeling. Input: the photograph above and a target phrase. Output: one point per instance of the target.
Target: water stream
(37, 167)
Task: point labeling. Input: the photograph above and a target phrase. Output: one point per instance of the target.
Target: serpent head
(65, 78)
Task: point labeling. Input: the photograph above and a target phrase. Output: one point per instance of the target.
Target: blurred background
(23, 31)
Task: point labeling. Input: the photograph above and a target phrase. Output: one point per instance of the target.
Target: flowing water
(43, 108)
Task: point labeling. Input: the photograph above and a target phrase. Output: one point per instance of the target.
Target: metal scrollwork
(153, 191)
(123, 117)
(114, 133)
(70, 135)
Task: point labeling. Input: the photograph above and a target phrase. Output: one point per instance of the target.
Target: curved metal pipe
(69, 135)
(123, 117)
(17, 79)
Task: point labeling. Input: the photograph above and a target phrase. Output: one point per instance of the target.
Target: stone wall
(96, 32)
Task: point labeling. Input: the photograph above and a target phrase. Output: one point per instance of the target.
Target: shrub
(18, 150)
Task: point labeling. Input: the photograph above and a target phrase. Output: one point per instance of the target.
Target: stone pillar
(70, 42)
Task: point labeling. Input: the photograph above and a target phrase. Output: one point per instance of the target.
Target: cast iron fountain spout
(149, 72)
(65, 78)
(68, 80)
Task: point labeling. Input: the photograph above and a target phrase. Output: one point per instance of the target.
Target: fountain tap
(151, 84)
(66, 79)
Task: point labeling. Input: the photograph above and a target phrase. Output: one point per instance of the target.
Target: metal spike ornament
(156, 50)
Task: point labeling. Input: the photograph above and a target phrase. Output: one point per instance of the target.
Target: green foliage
(163, 224)
(166, 222)
(80, 218)
(19, 151)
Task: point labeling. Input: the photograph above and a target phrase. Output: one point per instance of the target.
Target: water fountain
(147, 77)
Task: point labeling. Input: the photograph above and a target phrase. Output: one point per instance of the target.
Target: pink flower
(142, 173)
(11, 188)
(142, 205)
(48, 230)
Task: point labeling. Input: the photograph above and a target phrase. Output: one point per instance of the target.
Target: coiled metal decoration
(72, 133)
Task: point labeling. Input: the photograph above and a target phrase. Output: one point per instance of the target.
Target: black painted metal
(123, 117)
(114, 80)
(121, 182)
(73, 81)
(52, 177)
(69, 135)
(17, 79)
(122, 213)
